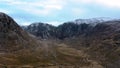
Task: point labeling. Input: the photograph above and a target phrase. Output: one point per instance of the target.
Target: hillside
(101, 41)
(69, 45)
(20, 49)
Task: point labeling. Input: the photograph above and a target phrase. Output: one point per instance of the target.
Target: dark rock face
(66, 30)
(7, 23)
(41, 30)
(71, 29)
(12, 37)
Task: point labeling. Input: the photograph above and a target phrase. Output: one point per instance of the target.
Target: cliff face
(66, 30)
(43, 31)
(72, 29)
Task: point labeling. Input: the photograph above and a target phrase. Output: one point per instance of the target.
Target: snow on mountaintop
(93, 20)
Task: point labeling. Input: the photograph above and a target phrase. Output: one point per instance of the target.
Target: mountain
(12, 37)
(19, 49)
(15, 43)
(69, 45)
(65, 30)
(41, 30)
(100, 42)
(93, 20)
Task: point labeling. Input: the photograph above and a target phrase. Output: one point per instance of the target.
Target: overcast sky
(56, 12)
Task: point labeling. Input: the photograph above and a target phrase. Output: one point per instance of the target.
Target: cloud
(43, 7)
(5, 11)
(82, 1)
(53, 11)
(78, 11)
(105, 3)
(48, 7)
(109, 3)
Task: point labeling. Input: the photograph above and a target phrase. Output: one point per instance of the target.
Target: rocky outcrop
(43, 31)
(12, 37)
(66, 30)
(71, 29)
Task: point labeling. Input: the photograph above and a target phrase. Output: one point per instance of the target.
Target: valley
(69, 45)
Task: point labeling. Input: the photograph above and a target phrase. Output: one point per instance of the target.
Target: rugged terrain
(101, 41)
(70, 45)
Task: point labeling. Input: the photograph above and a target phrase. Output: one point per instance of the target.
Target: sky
(56, 12)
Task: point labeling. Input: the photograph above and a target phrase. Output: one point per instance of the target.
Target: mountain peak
(12, 36)
(1, 13)
(93, 20)
(7, 23)
(3, 16)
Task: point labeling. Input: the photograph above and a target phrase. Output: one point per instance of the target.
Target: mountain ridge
(75, 28)
(69, 45)
(100, 42)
